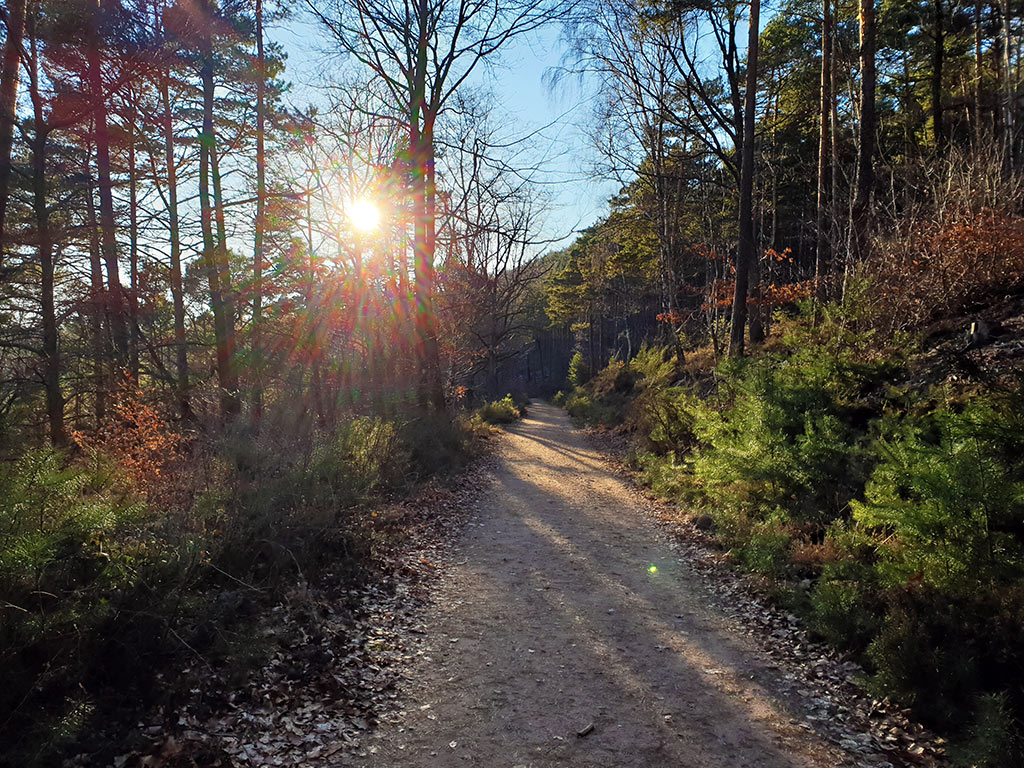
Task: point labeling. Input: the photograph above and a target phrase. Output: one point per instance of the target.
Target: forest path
(552, 620)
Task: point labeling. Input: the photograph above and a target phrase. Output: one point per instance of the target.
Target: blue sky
(524, 106)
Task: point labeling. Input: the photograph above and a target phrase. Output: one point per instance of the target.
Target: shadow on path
(569, 609)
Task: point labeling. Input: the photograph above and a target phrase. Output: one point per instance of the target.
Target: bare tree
(424, 51)
(641, 116)
(684, 62)
(488, 237)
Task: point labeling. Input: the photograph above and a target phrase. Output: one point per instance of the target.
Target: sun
(364, 215)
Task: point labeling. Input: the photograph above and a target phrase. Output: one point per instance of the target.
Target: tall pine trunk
(1008, 90)
(9, 72)
(214, 254)
(938, 60)
(746, 246)
(108, 225)
(822, 225)
(99, 319)
(133, 243)
(261, 222)
(978, 70)
(868, 121)
(174, 233)
(51, 351)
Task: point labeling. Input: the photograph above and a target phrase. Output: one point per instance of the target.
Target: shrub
(947, 496)
(579, 371)
(782, 444)
(845, 605)
(99, 595)
(67, 566)
(905, 515)
(665, 476)
(138, 440)
(504, 411)
(765, 548)
(436, 443)
(994, 739)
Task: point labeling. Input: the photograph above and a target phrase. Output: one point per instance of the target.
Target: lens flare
(652, 568)
(364, 215)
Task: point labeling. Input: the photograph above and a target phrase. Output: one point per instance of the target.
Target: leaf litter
(339, 651)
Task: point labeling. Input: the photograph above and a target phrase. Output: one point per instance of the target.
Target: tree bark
(822, 225)
(421, 149)
(978, 70)
(133, 244)
(177, 291)
(756, 316)
(1008, 105)
(51, 351)
(9, 73)
(746, 246)
(108, 225)
(98, 317)
(261, 222)
(868, 122)
(214, 254)
(938, 59)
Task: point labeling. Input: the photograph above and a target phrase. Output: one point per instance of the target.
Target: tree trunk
(938, 58)
(108, 225)
(421, 149)
(978, 70)
(51, 351)
(214, 254)
(1008, 94)
(821, 253)
(98, 316)
(227, 351)
(9, 72)
(868, 120)
(756, 319)
(261, 213)
(177, 292)
(745, 248)
(133, 247)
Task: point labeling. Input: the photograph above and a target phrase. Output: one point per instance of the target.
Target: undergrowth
(504, 411)
(123, 559)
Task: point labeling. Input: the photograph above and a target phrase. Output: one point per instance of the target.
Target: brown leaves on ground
(338, 649)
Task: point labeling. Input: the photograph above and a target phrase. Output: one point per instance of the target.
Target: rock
(704, 523)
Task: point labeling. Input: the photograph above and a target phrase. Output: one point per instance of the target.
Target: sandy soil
(567, 633)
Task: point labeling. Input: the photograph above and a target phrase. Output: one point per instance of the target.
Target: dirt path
(567, 609)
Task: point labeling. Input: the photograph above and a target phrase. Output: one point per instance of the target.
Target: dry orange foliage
(138, 437)
(786, 293)
(937, 268)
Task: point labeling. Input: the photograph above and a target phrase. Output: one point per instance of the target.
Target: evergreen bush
(504, 411)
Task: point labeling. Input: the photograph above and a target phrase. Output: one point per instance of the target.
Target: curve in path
(567, 611)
